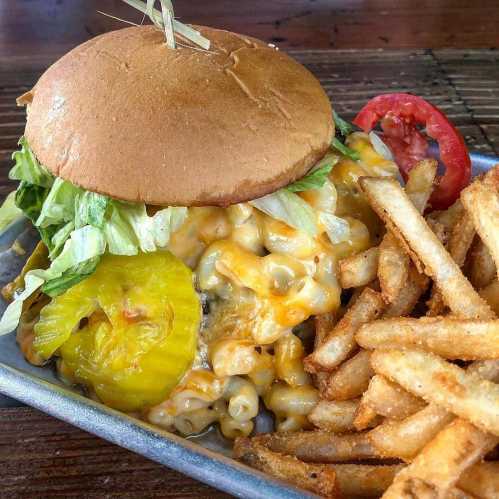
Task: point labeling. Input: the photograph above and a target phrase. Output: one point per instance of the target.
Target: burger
(192, 206)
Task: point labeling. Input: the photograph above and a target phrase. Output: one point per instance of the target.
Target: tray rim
(176, 452)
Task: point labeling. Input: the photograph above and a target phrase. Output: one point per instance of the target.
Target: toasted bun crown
(126, 116)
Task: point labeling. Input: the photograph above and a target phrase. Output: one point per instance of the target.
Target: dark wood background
(42, 457)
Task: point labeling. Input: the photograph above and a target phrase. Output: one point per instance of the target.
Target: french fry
(323, 323)
(481, 201)
(404, 439)
(351, 379)
(334, 415)
(389, 399)
(340, 342)
(481, 480)
(482, 269)
(460, 241)
(317, 478)
(442, 461)
(409, 296)
(393, 268)
(491, 295)
(392, 204)
(451, 338)
(365, 417)
(364, 480)
(442, 383)
(320, 446)
(449, 217)
(360, 269)
(420, 183)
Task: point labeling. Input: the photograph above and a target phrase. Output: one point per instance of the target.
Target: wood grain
(54, 26)
(42, 457)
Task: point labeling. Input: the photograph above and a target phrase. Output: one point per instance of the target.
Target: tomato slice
(400, 114)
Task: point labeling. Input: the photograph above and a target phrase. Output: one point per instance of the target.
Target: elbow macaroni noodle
(263, 278)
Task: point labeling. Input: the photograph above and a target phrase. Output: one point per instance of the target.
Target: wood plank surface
(42, 457)
(54, 26)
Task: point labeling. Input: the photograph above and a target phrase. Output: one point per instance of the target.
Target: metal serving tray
(205, 458)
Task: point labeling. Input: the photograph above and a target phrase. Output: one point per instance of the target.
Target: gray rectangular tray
(205, 458)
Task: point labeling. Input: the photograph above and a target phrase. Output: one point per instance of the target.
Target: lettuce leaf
(9, 212)
(59, 205)
(27, 167)
(79, 257)
(120, 237)
(289, 208)
(29, 198)
(343, 127)
(90, 209)
(70, 277)
(345, 150)
(313, 180)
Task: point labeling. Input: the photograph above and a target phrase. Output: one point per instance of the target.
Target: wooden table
(42, 457)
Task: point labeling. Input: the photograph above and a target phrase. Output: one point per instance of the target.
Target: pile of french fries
(409, 374)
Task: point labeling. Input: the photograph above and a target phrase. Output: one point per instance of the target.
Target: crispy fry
(408, 297)
(491, 295)
(448, 217)
(481, 201)
(481, 480)
(320, 446)
(443, 460)
(351, 379)
(317, 478)
(393, 268)
(365, 417)
(442, 383)
(323, 323)
(451, 338)
(336, 416)
(389, 399)
(460, 241)
(481, 268)
(340, 342)
(420, 183)
(404, 439)
(360, 269)
(364, 480)
(392, 205)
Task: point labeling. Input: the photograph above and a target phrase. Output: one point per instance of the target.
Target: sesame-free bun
(126, 116)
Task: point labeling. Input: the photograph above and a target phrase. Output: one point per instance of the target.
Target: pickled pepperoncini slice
(128, 332)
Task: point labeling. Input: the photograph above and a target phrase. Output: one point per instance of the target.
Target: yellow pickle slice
(128, 332)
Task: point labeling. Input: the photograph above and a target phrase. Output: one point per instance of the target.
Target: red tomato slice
(399, 115)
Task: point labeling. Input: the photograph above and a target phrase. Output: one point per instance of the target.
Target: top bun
(126, 116)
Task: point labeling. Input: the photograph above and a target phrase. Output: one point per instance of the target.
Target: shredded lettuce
(90, 209)
(77, 226)
(84, 245)
(59, 205)
(313, 180)
(59, 238)
(27, 168)
(120, 238)
(345, 150)
(9, 212)
(343, 127)
(289, 208)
